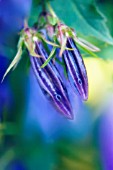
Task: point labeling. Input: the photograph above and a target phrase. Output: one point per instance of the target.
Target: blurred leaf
(6, 158)
(73, 156)
(106, 52)
(106, 7)
(37, 2)
(85, 17)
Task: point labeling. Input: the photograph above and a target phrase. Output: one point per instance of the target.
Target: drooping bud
(50, 82)
(76, 68)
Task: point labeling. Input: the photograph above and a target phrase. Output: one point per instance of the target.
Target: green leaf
(85, 17)
(50, 57)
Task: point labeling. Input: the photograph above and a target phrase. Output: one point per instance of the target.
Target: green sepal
(14, 62)
(49, 58)
(88, 51)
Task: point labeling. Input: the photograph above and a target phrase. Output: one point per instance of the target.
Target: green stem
(43, 5)
(51, 10)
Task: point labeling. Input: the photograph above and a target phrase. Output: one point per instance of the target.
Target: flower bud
(50, 81)
(76, 68)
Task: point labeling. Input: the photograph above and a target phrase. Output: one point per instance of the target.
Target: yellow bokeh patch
(100, 77)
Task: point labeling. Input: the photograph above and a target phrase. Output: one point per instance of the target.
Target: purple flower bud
(76, 68)
(50, 81)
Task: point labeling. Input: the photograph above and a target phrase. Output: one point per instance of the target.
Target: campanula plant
(58, 72)
(63, 40)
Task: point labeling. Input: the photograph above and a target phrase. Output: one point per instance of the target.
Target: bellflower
(48, 77)
(50, 83)
(59, 33)
(63, 39)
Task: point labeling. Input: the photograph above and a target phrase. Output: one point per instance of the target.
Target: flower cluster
(51, 45)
